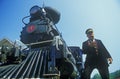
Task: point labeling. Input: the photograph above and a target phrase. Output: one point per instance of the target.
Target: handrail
(39, 42)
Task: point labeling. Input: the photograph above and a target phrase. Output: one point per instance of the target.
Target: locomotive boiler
(48, 56)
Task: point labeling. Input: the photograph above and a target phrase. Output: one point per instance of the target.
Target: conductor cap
(90, 30)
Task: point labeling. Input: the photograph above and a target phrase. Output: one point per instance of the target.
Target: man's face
(90, 35)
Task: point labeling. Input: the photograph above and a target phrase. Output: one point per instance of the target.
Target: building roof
(6, 42)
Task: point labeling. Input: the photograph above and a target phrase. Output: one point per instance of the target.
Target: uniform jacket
(94, 57)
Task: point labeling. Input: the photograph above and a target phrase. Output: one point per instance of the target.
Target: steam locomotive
(48, 55)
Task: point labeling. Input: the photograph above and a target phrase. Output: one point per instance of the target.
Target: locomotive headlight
(35, 11)
(31, 28)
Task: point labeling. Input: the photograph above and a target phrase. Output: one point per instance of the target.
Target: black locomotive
(48, 56)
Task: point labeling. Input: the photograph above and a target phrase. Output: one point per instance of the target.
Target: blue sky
(76, 16)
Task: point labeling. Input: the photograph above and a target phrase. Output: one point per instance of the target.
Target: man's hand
(110, 60)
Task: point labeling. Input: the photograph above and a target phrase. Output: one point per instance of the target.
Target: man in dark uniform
(97, 56)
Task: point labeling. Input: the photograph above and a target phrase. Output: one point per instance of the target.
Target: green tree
(96, 76)
(113, 75)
